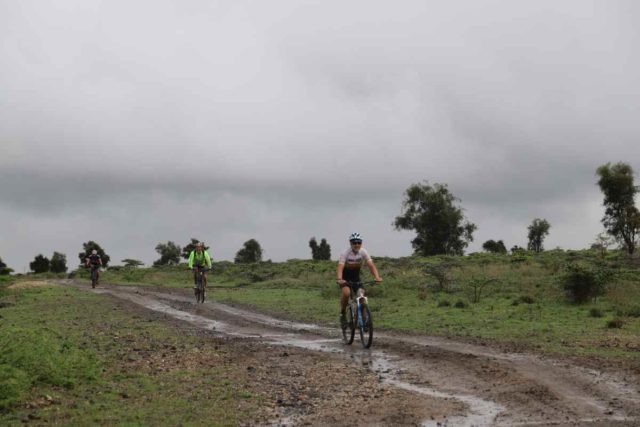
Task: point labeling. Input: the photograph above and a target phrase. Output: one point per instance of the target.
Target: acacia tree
(321, 251)
(538, 230)
(190, 247)
(250, 253)
(494, 247)
(4, 270)
(40, 264)
(169, 253)
(440, 225)
(58, 263)
(132, 263)
(90, 246)
(621, 217)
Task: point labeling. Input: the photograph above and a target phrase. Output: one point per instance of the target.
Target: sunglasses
(356, 243)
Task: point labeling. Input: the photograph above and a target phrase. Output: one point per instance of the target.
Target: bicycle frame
(358, 303)
(200, 283)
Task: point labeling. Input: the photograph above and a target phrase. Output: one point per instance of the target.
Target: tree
(58, 263)
(621, 217)
(169, 253)
(494, 247)
(440, 225)
(190, 247)
(321, 251)
(90, 246)
(324, 251)
(4, 270)
(250, 253)
(133, 263)
(538, 230)
(602, 243)
(40, 264)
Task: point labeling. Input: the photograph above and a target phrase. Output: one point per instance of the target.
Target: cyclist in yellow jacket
(199, 257)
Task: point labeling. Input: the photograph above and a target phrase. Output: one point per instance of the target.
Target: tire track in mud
(497, 388)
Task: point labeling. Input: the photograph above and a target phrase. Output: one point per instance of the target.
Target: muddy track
(464, 384)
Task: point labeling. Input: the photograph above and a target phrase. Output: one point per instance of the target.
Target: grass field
(67, 357)
(518, 299)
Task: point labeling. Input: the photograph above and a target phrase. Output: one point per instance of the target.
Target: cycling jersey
(94, 260)
(352, 263)
(199, 258)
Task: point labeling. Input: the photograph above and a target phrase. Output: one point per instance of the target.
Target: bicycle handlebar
(370, 282)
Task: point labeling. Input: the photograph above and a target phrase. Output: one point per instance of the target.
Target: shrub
(444, 303)
(443, 274)
(615, 323)
(631, 311)
(582, 283)
(524, 299)
(595, 312)
(460, 304)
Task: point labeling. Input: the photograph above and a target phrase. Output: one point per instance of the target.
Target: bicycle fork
(362, 301)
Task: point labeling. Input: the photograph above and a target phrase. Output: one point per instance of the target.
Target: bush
(630, 311)
(582, 283)
(444, 303)
(595, 312)
(460, 304)
(615, 323)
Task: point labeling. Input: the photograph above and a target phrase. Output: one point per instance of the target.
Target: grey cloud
(279, 120)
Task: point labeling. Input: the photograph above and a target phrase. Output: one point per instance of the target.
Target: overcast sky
(137, 122)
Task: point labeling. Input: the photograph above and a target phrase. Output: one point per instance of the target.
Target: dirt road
(403, 379)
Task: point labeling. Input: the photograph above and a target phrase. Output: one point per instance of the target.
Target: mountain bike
(94, 275)
(200, 288)
(358, 316)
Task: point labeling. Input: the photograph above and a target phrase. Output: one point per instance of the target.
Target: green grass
(511, 299)
(71, 357)
(524, 303)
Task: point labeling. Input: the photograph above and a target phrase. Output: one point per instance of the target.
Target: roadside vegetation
(573, 302)
(69, 358)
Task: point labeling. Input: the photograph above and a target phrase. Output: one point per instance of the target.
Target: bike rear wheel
(348, 329)
(365, 326)
(94, 277)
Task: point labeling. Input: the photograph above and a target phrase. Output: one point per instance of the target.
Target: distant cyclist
(94, 262)
(349, 265)
(199, 257)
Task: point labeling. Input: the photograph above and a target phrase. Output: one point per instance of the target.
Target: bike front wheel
(348, 329)
(365, 326)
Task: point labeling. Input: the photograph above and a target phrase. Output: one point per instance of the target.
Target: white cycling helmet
(94, 252)
(355, 237)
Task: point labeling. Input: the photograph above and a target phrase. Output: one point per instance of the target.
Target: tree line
(434, 214)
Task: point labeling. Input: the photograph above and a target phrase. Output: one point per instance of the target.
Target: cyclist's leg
(195, 278)
(344, 297)
(344, 302)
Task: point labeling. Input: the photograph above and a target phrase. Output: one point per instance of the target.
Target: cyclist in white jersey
(349, 265)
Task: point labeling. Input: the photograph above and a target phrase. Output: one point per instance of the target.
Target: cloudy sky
(137, 122)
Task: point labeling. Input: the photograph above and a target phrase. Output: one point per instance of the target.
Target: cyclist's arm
(339, 272)
(374, 270)
(191, 257)
(207, 259)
